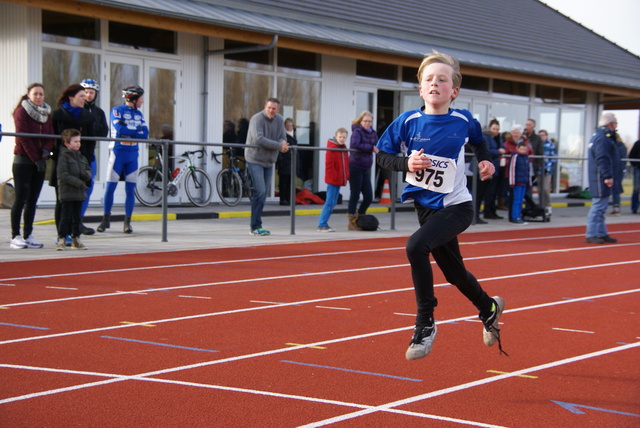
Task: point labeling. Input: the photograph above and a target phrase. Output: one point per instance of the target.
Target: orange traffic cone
(386, 194)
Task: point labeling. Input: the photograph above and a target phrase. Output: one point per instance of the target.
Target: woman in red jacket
(336, 175)
(31, 116)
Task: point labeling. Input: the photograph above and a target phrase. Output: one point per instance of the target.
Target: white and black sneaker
(491, 330)
(422, 341)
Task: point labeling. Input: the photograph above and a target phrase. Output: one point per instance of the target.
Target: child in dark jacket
(336, 175)
(74, 173)
(519, 180)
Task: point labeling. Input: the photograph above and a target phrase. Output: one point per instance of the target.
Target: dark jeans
(70, 219)
(438, 235)
(491, 195)
(28, 183)
(359, 182)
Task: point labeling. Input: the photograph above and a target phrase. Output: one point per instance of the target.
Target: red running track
(314, 335)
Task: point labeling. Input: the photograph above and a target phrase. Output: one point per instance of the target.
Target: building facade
(206, 62)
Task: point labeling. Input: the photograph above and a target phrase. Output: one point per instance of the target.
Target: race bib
(439, 178)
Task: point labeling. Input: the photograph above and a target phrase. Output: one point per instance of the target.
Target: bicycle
(233, 182)
(198, 184)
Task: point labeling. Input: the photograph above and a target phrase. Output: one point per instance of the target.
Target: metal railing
(393, 184)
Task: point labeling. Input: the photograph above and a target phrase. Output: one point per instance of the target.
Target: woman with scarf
(31, 116)
(71, 114)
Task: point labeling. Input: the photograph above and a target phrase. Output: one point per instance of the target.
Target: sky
(619, 22)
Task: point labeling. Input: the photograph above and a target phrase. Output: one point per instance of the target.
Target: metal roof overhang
(218, 21)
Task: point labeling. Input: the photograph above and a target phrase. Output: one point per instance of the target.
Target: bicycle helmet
(90, 84)
(132, 93)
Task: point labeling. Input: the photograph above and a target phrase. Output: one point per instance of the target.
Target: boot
(353, 218)
(127, 225)
(501, 205)
(105, 224)
(84, 229)
(76, 244)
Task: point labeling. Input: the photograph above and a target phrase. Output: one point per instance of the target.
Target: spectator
(71, 114)
(127, 122)
(548, 170)
(363, 139)
(243, 129)
(616, 190)
(510, 144)
(283, 164)
(603, 164)
(635, 195)
(336, 175)
(495, 145)
(100, 129)
(519, 180)
(434, 136)
(266, 130)
(74, 175)
(538, 163)
(31, 116)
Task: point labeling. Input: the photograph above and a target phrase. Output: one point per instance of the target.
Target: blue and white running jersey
(442, 137)
(127, 122)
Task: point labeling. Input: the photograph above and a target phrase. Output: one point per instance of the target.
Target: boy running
(434, 139)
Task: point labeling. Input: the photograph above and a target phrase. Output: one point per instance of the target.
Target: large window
(60, 68)
(70, 29)
(142, 38)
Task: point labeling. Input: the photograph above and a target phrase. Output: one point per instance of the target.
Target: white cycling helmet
(90, 84)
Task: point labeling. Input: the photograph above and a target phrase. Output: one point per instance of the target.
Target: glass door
(159, 81)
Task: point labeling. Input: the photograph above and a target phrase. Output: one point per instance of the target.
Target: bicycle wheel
(149, 186)
(198, 187)
(229, 186)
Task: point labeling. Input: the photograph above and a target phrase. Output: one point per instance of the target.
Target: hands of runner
(417, 162)
(487, 169)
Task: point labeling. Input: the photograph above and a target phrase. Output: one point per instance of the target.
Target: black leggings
(28, 184)
(438, 236)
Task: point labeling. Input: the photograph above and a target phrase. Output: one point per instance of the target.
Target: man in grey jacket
(266, 131)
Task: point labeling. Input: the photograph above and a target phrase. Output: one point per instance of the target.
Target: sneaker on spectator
(76, 244)
(421, 342)
(593, 240)
(33, 243)
(67, 240)
(325, 229)
(260, 232)
(60, 245)
(608, 240)
(18, 243)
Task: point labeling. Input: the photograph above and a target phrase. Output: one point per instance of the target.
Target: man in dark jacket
(635, 164)
(603, 168)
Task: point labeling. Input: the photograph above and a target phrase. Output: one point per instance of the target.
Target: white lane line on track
(91, 296)
(389, 406)
(337, 253)
(115, 377)
(365, 409)
(298, 303)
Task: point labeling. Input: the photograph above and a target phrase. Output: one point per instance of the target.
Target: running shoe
(18, 243)
(491, 331)
(260, 232)
(421, 342)
(33, 243)
(325, 229)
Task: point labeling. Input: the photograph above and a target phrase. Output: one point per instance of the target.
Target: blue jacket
(519, 170)
(494, 147)
(604, 162)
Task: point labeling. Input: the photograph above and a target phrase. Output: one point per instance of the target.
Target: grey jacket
(268, 134)
(74, 173)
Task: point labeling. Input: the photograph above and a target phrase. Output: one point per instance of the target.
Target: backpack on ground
(367, 222)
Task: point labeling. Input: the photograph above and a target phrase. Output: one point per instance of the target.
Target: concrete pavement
(218, 226)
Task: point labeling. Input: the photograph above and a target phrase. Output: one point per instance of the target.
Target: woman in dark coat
(71, 114)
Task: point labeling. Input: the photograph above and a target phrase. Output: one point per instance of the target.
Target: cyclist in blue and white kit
(432, 140)
(127, 121)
